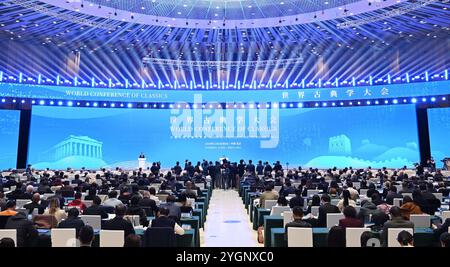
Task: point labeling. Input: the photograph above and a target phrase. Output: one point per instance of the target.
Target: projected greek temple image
(180, 126)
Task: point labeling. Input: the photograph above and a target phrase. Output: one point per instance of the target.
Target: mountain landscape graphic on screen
(62, 137)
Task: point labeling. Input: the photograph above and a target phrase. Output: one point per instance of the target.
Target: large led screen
(373, 136)
(439, 127)
(9, 138)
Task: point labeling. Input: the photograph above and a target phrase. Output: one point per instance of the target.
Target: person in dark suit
(297, 214)
(148, 204)
(326, 208)
(67, 190)
(96, 208)
(72, 221)
(177, 169)
(260, 168)
(190, 169)
(174, 210)
(397, 221)
(163, 220)
(36, 203)
(250, 167)
(350, 219)
(27, 233)
(86, 236)
(297, 200)
(118, 222)
(392, 194)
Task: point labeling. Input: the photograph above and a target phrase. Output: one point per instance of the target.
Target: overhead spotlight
(132, 17)
(187, 23)
(99, 6)
(82, 5)
(315, 16)
(115, 13)
(370, 3)
(279, 21)
(296, 19)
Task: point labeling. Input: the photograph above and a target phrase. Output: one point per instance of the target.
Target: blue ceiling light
(129, 105)
(433, 99)
(395, 101)
(424, 99)
(3, 100)
(69, 103)
(414, 100)
(41, 102)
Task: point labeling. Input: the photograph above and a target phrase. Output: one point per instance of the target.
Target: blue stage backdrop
(439, 127)
(9, 138)
(374, 136)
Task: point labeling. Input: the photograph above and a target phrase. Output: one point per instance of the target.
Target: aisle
(227, 223)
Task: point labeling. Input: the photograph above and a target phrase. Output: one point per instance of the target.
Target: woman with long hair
(346, 201)
(53, 209)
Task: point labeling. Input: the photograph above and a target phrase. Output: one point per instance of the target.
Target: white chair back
(420, 220)
(63, 237)
(445, 215)
(277, 210)
(277, 188)
(315, 210)
(287, 217)
(439, 196)
(393, 234)
(200, 185)
(398, 202)
(353, 236)
(333, 219)
(268, 204)
(363, 192)
(407, 194)
(21, 202)
(110, 238)
(311, 192)
(334, 201)
(95, 221)
(357, 185)
(88, 203)
(300, 237)
(11, 233)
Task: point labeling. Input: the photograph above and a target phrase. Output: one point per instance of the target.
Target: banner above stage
(248, 95)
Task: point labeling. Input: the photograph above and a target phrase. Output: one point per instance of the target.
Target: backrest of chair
(159, 237)
(277, 188)
(312, 192)
(88, 203)
(445, 215)
(333, 219)
(393, 234)
(315, 210)
(47, 195)
(277, 210)
(63, 237)
(45, 221)
(357, 185)
(398, 202)
(420, 220)
(95, 221)
(200, 185)
(287, 217)
(439, 196)
(334, 201)
(133, 219)
(268, 204)
(407, 194)
(21, 202)
(11, 233)
(112, 238)
(103, 197)
(353, 236)
(162, 197)
(363, 191)
(300, 237)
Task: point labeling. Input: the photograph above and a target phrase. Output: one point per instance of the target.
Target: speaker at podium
(141, 161)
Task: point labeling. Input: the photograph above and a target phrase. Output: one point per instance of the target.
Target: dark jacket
(26, 232)
(96, 210)
(33, 205)
(149, 205)
(324, 210)
(72, 222)
(163, 221)
(296, 201)
(118, 223)
(350, 222)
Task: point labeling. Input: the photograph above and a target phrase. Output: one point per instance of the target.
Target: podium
(141, 162)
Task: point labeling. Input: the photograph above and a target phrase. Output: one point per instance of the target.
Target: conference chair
(315, 210)
(420, 220)
(200, 185)
(112, 238)
(88, 203)
(133, 219)
(268, 204)
(353, 236)
(334, 201)
(63, 237)
(103, 197)
(11, 233)
(398, 202)
(21, 202)
(439, 196)
(278, 210)
(300, 237)
(363, 192)
(407, 194)
(445, 215)
(95, 221)
(159, 237)
(287, 217)
(357, 185)
(277, 188)
(47, 195)
(333, 219)
(45, 221)
(162, 197)
(393, 234)
(312, 192)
